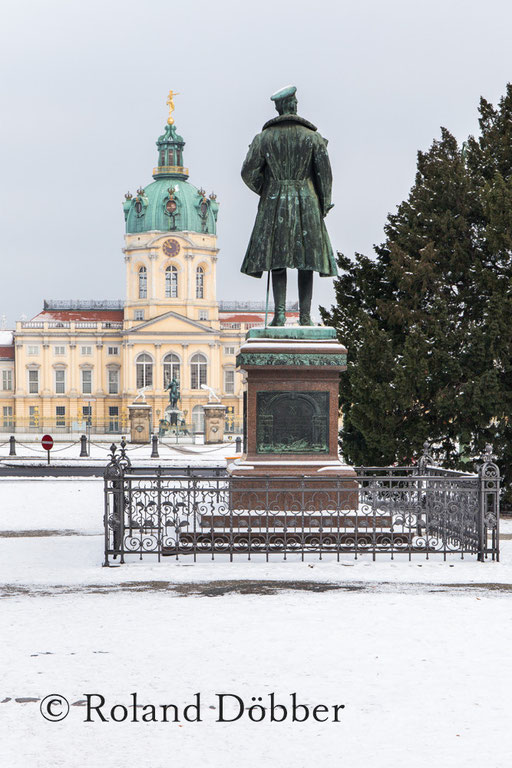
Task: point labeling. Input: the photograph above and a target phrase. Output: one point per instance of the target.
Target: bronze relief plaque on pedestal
(292, 422)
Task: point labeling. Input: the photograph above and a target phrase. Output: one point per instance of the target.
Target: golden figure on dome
(170, 104)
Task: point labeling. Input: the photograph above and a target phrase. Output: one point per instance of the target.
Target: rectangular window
(8, 419)
(60, 416)
(203, 314)
(33, 350)
(113, 382)
(139, 314)
(59, 350)
(86, 411)
(33, 416)
(86, 382)
(86, 351)
(7, 379)
(60, 382)
(113, 418)
(229, 381)
(113, 350)
(33, 382)
(229, 350)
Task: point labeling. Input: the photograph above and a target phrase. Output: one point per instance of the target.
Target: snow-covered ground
(417, 652)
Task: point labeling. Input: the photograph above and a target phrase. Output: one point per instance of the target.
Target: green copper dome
(170, 203)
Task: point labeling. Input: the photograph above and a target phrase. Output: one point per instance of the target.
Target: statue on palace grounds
(288, 167)
(174, 392)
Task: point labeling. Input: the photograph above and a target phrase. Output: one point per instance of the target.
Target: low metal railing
(165, 169)
(398, 511)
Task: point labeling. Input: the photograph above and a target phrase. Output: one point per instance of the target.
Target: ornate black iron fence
(408, 511)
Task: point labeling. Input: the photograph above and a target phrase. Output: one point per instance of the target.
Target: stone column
(214, 416)
(140, 416)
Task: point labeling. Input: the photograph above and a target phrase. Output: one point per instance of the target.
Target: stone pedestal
(173, 416)
(291, 421)
(140, 419)
(214, 420)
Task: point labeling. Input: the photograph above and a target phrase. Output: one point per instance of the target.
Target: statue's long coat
(288, 166)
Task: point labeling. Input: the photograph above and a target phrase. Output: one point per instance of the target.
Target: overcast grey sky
(83, 93)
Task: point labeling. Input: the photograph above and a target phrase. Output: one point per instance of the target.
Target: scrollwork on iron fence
(394, 511)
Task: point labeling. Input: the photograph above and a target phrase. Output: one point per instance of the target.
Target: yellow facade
(79, 362)
(58, 351)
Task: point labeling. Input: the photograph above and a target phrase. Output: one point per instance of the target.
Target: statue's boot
(305, 296)
(279, 290)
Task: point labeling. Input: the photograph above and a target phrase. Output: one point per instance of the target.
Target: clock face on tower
(171, 247)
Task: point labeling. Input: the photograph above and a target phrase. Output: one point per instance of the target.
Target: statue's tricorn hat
(284, 93)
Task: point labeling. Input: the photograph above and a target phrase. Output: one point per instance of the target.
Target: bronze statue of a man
(174, 392)
(288, 167)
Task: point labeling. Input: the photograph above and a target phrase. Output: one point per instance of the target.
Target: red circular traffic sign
(47, 442)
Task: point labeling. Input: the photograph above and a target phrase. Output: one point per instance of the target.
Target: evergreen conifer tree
(428, 322)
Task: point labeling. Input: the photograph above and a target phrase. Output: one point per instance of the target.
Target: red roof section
(79, 315)
(7, 353)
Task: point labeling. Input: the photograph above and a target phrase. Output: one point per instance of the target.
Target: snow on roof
(6, 337)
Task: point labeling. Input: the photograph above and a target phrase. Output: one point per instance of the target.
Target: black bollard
(238, 443)
(154, 447)
(12, 446)
(83, 446)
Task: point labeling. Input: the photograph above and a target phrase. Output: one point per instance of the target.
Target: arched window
(198, 418)
(199, 283)
(198, 371)
(144, 369)
(171, 369)
(171, 282)
(143, 283)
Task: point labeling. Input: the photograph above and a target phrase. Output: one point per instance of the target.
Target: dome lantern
(170, 203)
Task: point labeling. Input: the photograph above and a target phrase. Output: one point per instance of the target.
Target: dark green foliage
(428, 322)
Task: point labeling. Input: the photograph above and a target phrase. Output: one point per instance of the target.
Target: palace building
(79, 362)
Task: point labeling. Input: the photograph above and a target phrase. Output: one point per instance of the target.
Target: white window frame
(171, 282)
(60, 418)
(33, 390)
(113, 418)
(86, 350)
(198, 418)
(113, 381)
(7, 380)
(112, 350)
(33, 416)
(138, 314)
(203, 314)
(143, 282)
(171, 368)
(229, 373)
(59, 350)
(32, 349)
(60, 386)
(143, 370)
(85, 390)
(8, 416)
(200, 283)
(229, 351)
(198, 370)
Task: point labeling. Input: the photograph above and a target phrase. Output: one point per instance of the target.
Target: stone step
(298, 521)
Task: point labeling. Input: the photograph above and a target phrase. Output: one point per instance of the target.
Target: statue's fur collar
(289, 119)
